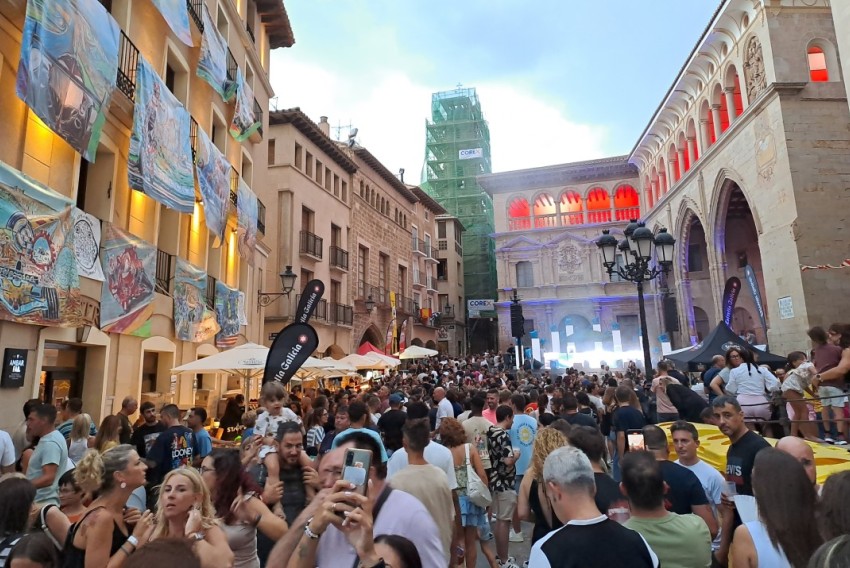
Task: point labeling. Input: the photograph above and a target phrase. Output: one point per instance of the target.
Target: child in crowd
(71, 497)
(798, 381)
(272, 400)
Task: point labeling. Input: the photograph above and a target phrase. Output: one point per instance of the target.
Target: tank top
(767, 554)
(77, 450)
(541, 527)
(76, 557)
(460, 475)
(242, 540)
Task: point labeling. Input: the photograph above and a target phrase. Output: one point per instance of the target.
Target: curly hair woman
(533, 504)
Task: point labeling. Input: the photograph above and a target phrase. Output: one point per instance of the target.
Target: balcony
(128, 60)
(419, 247)
(418, 281)
(338, 257)
(341, 314)
(431, 284)
(311, 245)
(250, 30)
(405, 305)
(210, 295)
(232, 66)
(163, 272)
(432, 255)
(258, 115)
(234, 186)
(195, 9)
(261, 217)
(321, 312)
(193, 135)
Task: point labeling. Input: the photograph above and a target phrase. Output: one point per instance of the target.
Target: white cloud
(389, 109)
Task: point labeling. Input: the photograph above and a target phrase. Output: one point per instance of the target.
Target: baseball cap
(395, 399)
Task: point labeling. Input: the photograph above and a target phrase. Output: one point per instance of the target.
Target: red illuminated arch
(571, 208)
(519, 214)
(626, 203)
(545, 211)
(598, 206)
(818, 71)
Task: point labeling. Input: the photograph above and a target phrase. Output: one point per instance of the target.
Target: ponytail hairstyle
(793, 357)
(80, 427)
(96, 472)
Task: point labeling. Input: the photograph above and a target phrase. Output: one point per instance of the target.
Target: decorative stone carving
(569, 262)
(754, 71)
(765, 149)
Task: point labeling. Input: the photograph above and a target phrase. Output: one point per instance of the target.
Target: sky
(558, 80)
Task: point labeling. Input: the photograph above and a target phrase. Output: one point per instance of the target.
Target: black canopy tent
(717, 343)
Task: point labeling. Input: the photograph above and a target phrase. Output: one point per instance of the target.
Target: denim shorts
(828, 391)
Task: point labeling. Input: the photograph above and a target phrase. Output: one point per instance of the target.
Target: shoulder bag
(476, 490)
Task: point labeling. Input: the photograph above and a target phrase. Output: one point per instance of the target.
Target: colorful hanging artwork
(193, 320)
(243, 314)
(246, 222)
(212, 63)
(227, 314)
(68, 68)
(87, 244)
(214, 182)
(38, 272)
(126, 302)
(244, 122)
(160, 163)
(176, 15)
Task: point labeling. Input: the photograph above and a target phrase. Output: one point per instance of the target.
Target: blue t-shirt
(522, 436)
(204, 442)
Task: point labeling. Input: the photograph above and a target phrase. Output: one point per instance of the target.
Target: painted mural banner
(213, 171)
(212, 63)
(160, 163)
(193, 320)
(38, 271)
(227, 314)
(68, 68)
(129, 263)
(87, 244)
(176, 15)
(246, 222)
(730, 298)
(244, 122)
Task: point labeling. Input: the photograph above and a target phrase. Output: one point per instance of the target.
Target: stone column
(703, 135)
(662, 182)
(680, 154)
(654, 190)
(730, 104)
(715, 115)
(692, 154)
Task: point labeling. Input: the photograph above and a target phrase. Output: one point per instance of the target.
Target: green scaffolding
(457, 150)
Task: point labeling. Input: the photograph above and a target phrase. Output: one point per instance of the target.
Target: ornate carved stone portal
(754, 71)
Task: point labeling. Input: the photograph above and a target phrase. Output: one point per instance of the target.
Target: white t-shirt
(712, 482)
(435, 454)
(7, 449)
(444, 410)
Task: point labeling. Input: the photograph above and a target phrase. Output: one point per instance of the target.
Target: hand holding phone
(635, 440)
(356, 466)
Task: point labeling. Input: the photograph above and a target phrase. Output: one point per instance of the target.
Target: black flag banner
(730, 298)
(288, 352)
(310, 298)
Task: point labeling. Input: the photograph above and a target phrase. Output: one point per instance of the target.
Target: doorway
(62, 372)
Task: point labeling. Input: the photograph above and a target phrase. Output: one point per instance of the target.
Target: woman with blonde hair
(108, 434)
(532, 504)
(185, 510)
(102, 537)
(79, 439)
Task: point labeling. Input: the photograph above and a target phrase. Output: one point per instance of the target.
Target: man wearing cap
(391, 423)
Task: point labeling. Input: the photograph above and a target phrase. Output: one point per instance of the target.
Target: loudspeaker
(517, 321)
(671, 314)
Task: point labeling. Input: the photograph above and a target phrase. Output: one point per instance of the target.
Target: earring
(123, 485)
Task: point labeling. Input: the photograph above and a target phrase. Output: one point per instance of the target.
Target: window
(443, 270)
(219, 133)
(306, 276)
(336, 185)
(271, 151)
(177, 76)
(818, 71)
(307, 217)
(320, 169)
(362, 265)
(247, 170)
(299, 158)
(441, 230)
(402, 279)
(336, 236)
(362, 190)
(221, 24)
(344, 195)
(94, 187)
(336, 291)
(524, 274)
(694, 258)
(309, 164)
(328, 179)
(383, 273)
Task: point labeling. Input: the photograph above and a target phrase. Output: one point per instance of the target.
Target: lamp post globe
(607, 243)
(629, 232)
(287, 280)
(664, 243)
(642, 240)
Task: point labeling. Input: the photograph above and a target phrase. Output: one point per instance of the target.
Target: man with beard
(145, 435)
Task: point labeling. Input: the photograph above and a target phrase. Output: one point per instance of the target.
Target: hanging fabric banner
(246, 222)
(402, 337)
(227, 314)
(176, 15)
(68, 68)
(193, 320)
(126, 302)
(214, 183)
(243, 314)
(244, 122)
(160, 163)
(87, 245)
(388, 339)
(730, 298)
(750, 277)
(38, 272)
(212, 63)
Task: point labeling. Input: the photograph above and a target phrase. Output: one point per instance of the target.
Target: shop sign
(14, 368)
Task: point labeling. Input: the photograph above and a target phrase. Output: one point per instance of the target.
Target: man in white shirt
(7, 453)
(686, 442)
(435, 454)
(444, 407)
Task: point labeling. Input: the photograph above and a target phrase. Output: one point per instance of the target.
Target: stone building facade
(103, 368)
(451, 337)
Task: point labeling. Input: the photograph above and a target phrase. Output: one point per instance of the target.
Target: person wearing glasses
(749, 382)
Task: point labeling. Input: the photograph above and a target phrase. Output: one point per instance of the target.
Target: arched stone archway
(373, 336)
(701, 323)
(335, 352)
(417, 342)
(430, 344)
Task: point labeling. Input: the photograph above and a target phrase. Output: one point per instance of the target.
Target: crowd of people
(459, 454)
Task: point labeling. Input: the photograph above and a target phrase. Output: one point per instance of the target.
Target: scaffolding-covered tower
(457, 149)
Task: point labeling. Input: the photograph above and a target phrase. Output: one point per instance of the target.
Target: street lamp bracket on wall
(287, 284)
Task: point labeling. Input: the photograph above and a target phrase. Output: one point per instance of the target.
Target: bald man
(444, 407)
(802, 452)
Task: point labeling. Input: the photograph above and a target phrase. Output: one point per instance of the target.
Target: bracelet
(133, 541)
(310, 534)
(124, 550)
(198, 536)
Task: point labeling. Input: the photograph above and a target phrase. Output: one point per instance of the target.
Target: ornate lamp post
(287, 284)
(636, 249)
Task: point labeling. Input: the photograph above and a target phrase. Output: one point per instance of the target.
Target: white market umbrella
(392, 362)
(244, 360)
(362, 363)
(416, 352)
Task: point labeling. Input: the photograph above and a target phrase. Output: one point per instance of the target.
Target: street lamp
(287, 284)
(638, 246)
(370, 304)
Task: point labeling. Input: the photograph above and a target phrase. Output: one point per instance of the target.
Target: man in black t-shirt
(625, 418)
(572, 415)
(588, 538)
(391, 423)
(145, 435)
(174, 447)
(609, 499)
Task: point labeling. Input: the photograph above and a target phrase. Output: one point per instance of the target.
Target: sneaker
(525, 564)
(509, 563)
(840, 442)
(829, 440)
(516, 536)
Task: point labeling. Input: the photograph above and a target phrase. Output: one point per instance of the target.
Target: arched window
(598, 206)
(545, 212)
(818, 71)
(626, 203)
(571, 208)
(524, 274)
(519, 214)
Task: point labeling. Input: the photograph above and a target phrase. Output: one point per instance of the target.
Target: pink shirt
(489, 415)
